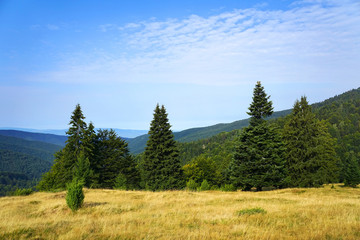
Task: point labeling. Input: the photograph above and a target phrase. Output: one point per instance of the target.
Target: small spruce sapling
(75, 195)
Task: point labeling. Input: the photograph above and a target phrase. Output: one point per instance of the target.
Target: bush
(75, 195)
(120, 182)
(205, 186)
(191, 185)
(22, 192)
(228, 188)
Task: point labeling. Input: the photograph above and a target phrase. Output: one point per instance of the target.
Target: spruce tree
(82, 169)
(75, 194)
(258, 159)
(261, 107)
(351, 170)
(161, 164)
(310, 156)
(63, 168)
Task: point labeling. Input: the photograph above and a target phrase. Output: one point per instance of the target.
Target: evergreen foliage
(96, 159)
(161, 165)
(62, 170)
(261, 107)
(82, 169)
(228, 188)
(258, 158)
(112, 158)
(311, 157)
(352, 170)
(23, 192)
(75, 195)
(120, 182)
(205, 186)
(192, 185)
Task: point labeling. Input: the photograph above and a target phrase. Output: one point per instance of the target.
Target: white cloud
(52, 27)
(309, 42)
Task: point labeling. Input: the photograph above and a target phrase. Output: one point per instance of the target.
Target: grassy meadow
(323, 213)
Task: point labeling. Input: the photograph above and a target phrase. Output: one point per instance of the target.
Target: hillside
(137, 145)
(330, 106)
(40, 137)
(22, 162)
(322, 213)
(342, 113)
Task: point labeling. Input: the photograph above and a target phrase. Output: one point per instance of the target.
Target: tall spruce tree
(63, 168)
(310, 156)
(258, 159)
(161, 164)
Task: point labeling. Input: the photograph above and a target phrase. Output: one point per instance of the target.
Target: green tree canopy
(261, 107)
(161, 164)
(63, 168)
(258, 158)
(111, 159)
(311, 157)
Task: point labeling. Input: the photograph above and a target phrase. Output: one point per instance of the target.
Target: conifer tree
(258, 159)
(111, 159)
(63, 168)
(161, 164)
(351, 170)
(310, 156)
(82, 169)
(261, 107)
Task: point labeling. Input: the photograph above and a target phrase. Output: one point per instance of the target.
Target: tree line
(300, 154)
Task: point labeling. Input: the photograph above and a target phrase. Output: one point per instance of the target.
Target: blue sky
(201, 59)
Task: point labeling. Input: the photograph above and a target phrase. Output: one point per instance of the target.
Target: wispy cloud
(312, 41)
(52, 27)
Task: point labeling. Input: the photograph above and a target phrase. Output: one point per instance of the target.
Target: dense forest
(22, 162)
(305, 147)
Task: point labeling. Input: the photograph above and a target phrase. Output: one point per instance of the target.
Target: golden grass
(322, 213)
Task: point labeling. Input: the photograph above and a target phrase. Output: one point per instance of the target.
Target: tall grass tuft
(251, 211)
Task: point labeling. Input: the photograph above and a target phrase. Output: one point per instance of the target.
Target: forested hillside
(22, 162)
(340, 113)
(137, 145)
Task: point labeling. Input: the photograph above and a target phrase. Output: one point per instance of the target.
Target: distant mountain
(61, 132)
(137, 145)
(31, 136)
(124, 133)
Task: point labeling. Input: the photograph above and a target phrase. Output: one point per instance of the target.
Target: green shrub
(251, 211)
(205, 186)
(120, 182)
(191, 185)
(75, 195)
(22, 192)
(228, 188)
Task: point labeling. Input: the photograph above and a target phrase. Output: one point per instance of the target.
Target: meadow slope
(323, 213)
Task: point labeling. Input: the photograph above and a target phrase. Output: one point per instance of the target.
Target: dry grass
(323, 213)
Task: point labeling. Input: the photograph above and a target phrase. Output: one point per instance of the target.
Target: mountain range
(124, 133)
